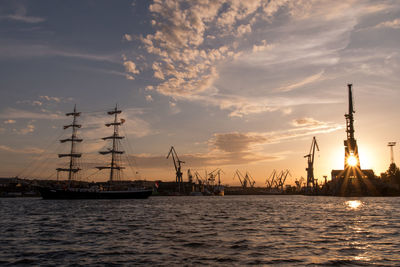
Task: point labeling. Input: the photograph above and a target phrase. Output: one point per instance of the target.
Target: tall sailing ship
(112, 190)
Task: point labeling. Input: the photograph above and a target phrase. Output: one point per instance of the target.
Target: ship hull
(51, 193)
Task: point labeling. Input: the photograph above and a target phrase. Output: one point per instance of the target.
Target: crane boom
(310, 164)
(177, 165)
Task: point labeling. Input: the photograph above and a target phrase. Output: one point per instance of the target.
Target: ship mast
(73, 155)
(114, 151)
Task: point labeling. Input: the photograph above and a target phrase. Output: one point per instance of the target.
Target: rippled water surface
(227, 231)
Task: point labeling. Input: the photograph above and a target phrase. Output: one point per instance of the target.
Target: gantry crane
(177, 165)
(310, 164)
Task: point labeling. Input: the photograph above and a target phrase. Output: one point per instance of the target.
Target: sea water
(193, 231)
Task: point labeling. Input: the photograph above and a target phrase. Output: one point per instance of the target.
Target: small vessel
(216, 189)
(112, 190)
(219, 190)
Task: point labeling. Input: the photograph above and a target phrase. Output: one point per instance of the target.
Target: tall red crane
(177, 165)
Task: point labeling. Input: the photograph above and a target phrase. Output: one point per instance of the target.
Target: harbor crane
(351, 156)
(241, 178)
(177, 165)
(299, 183)
(271, 179)
(250, 179)
(310, 162)
(281, 179)
(245, 179)
(215, 173)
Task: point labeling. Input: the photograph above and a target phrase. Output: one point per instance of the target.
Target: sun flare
(352, 161)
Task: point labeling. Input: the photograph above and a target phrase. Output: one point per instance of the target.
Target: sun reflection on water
(353, 204)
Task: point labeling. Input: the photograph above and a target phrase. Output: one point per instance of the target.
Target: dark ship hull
(76, 193)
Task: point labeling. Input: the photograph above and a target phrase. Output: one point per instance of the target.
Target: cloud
(240, 106)
(11, 113)
(12, 50)
(196, 43)
(50, 98)
(243, 29)
(305, 81)
(27, 150)
(127, 37)
(9, 122)
(240, 148)
(130, 67)
(174, 108)
(245, 142)
(212, 159)
(306, 122)
(20, 15)
(248, 57)
(237, 142)
(264, 46)
(37, 103)
(93, 124)
(186, 53)
(149, 98)
(394, 24)
(30, 128)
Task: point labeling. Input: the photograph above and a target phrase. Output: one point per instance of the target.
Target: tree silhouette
(392, 175)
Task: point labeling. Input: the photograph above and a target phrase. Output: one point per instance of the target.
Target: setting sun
(352, 161)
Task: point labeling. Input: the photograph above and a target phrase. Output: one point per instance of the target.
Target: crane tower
(310, 163)
(351, 157)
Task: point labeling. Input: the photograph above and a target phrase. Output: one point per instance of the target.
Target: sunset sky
(230, 84)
